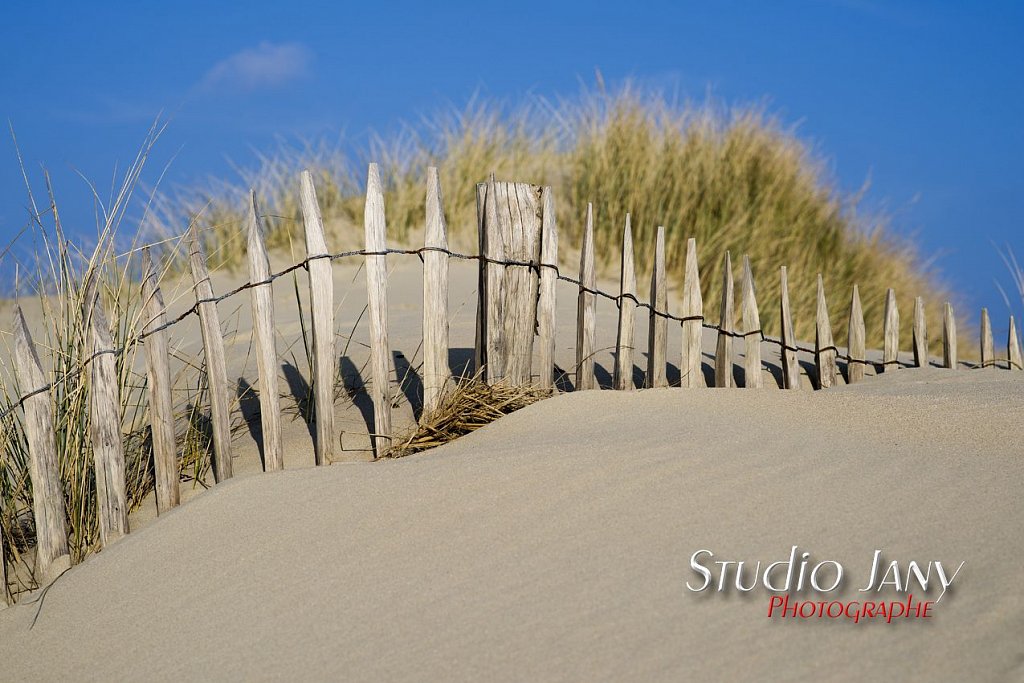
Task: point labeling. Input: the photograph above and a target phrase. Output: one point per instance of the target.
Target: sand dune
(554, 545)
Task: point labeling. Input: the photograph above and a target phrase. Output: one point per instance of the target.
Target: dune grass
(735, 180)
(56, 289)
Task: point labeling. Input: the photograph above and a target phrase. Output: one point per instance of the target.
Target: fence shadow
(249, 406)
(410, 383)
(460, 362)
(355, 388)
(302, 394)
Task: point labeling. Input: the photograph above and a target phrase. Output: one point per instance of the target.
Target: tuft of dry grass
(735, 180)
(468, 406)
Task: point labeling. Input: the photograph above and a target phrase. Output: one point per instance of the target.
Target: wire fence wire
(533, 265)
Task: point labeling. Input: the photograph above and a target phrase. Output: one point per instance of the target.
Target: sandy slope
(554, 545)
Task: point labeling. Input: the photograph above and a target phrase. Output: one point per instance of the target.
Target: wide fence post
(546, 292)
(987, 345)
(949, 358)
(790, 369)
(891, 330)
(623, 378)
(586, 314)
(1013, 347)
(692, 374)
(266, 349)
(377, 294)
(751, 330)
(824, 347)
(105, 429)
(321, 301)
(723, 349)
(161, 406)
(48, 509)
(920, 337)
(216, 362)
(436, 373)
(657, 331)
(855, 341)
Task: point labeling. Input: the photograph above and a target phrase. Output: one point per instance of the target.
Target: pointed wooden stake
(751, 330)
(546, 290)
(920, 334)
(105, 430)
(216, 363)
(161, 406)
(48, 510)
(321, 298)
(891, 349)
(824, 347)
(377, 294)
(790, 368)
(693, 321)
(856, 340)
(436, 373)
(657, 335)
(586, 320)
(1013, 347)
(627, 314)
(949, 358)
(266, 349)
(494, 345)
(726, 327)
(988, 356)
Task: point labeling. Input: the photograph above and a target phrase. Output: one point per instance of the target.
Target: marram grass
(735, 180)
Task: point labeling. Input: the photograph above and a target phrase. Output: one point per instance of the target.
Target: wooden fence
(518, 271)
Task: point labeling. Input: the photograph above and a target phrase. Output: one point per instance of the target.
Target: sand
(555, 545)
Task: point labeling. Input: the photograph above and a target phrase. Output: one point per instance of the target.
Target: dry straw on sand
(470, 405)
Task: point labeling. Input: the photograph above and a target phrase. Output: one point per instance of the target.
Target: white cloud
(268, 65)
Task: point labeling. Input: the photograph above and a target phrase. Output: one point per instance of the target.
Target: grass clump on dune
(57, 287)
(464, 408)
(735, 180)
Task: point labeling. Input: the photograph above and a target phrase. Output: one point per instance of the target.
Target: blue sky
(925, 100)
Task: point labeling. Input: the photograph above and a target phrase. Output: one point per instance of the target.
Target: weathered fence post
(692, 375)
(266, 349)
(546, 293)
(1013, 347)
(657, 331)
(512, 224)
(790, 369)
(920, 334)
(949, 358)
(891, 347)
(52, 556)
(586, 318)
(492, 352)
(987, 345)
(321, 301)
(105, 429)
(377, 293)
(751, 330)
(161, 407)
(627, 312)
(723, 349)
(216, 363)
(855, 342)
(824, 347)
(436, 373)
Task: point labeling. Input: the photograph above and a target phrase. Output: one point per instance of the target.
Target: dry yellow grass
(735, 180)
